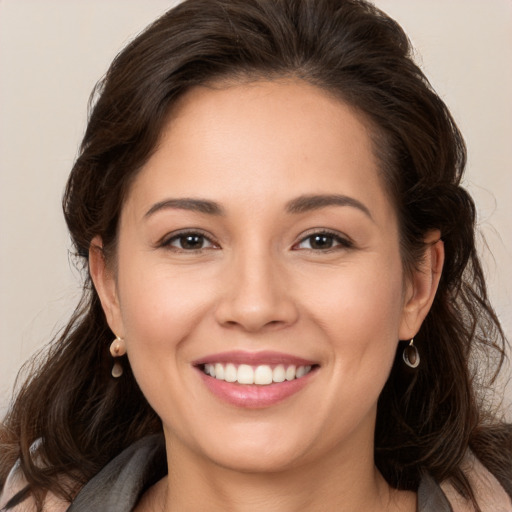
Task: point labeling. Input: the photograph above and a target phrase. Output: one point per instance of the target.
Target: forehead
(261, 141)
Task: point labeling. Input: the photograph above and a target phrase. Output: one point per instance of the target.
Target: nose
(256, 294)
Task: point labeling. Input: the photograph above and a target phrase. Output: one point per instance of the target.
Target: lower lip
(252, 396)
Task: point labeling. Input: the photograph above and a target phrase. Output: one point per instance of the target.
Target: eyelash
(167, 242)
(342, 242)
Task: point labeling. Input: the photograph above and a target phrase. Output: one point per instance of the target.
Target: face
(258, 244)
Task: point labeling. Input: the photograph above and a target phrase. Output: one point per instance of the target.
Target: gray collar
(120, 484)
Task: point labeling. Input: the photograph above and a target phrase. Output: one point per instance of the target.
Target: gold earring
(117, 349)
(411, 355)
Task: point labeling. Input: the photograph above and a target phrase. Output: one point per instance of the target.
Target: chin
(252, 450)
(258, 460)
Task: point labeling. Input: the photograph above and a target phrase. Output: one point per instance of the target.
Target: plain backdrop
(51, 54)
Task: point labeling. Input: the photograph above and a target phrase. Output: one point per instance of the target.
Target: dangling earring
(117, 349)
(411, 355)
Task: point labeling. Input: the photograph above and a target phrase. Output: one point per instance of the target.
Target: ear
(104, 281)
(422, 286)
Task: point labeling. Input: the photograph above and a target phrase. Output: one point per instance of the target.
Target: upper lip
(253, 358)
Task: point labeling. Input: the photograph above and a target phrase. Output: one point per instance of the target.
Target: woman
(282, 280)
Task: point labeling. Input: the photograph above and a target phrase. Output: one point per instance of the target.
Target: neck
(346, 481)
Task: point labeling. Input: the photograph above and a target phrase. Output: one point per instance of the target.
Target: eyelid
(168, 238)
(344, 241)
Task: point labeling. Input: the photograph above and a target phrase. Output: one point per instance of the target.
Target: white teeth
(290, 372)
(219, 371)
(302, 370)
(209, 369)
(261, 375)
(245, 374)
(230, 374)
(279, 373)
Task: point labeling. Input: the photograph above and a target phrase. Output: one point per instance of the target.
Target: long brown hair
(427, 419)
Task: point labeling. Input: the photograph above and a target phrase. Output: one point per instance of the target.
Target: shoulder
(489, 494)
(117, 486)
(121, 483)
(16, 483)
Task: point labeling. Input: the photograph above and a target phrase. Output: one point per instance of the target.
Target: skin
(258, 284)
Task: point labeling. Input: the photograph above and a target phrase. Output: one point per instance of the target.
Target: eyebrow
(298, 205)
(195, 205)
(308, 203)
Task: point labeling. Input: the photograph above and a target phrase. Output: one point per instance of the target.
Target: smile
(255, 380)
(260, 375)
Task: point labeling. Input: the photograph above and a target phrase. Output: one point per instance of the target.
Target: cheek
(160, 307)
(359, 312)
(362, 301)
(161, 310)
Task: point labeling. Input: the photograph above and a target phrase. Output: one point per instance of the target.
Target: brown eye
(323, 242)
(189, 242)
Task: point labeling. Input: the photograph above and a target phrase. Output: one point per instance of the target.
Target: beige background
(53, 51)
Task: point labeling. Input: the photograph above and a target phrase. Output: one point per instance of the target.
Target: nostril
(253, 308)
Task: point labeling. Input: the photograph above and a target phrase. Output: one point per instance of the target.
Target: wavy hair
(426, 419)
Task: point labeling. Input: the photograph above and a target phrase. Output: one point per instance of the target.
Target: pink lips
(254, 396)
(253, 358)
